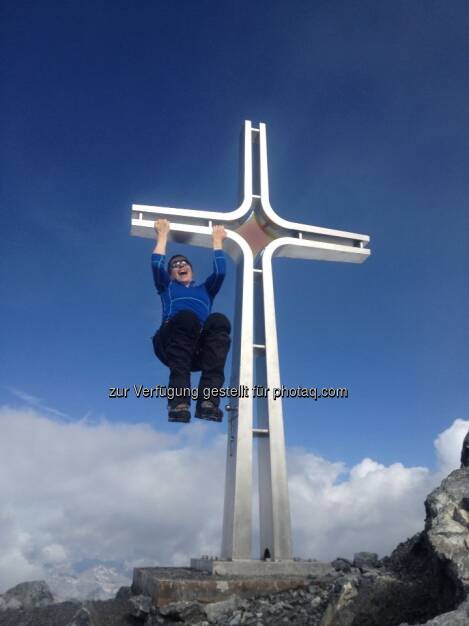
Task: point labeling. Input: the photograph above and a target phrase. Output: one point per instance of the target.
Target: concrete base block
(166, 585)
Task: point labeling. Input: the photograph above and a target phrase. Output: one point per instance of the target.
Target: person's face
(181, 271)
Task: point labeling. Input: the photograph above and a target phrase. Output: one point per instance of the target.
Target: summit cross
(255, 235)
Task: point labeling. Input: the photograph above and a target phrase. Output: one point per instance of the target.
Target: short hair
(178, 256)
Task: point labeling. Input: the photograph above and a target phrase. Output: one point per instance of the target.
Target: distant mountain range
(88, 580)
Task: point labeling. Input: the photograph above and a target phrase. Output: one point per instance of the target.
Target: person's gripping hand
(162, 226)
(218, 235)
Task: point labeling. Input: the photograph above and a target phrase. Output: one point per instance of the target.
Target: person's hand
(162, 227)
(218, 235)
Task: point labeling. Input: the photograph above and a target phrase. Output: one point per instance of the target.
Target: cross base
(258, 568)
(168, 585)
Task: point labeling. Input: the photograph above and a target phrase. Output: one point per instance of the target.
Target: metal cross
(255, 235)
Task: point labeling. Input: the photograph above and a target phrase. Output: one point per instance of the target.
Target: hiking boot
(207, 410)
(179, 413)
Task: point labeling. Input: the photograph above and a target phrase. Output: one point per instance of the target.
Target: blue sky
(112, 103)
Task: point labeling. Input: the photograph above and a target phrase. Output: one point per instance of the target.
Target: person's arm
(160, 275)
(215, 280)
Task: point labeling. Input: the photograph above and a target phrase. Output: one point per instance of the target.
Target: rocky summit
(424, 581)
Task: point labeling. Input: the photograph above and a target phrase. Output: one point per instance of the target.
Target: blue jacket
(176, 297)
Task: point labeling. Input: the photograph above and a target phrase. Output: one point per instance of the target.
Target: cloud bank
(72, 492)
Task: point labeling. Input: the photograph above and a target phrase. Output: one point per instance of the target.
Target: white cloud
(54, 553)
(448, 445)
(14, 564)
(126, 493)
(372, 508)
(104, 491)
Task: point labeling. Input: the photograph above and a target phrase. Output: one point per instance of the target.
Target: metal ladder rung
(258, 347)
(260, 432)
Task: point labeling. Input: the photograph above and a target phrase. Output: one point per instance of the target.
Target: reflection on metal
(255, 235)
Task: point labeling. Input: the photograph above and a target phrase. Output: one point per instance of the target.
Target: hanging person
(190, 337)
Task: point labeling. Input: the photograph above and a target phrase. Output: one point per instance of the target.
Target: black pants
(184, 345)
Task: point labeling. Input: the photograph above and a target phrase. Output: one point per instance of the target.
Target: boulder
(140, 606)
(465, 452)
(342, 565)
(447, 525)
(190, 612)
(426, 578)
(217, 611)
(366, 560)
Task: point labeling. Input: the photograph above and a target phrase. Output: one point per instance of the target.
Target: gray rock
(366, 560)
(424, 579)
(465, 451)
(35, 593)
(191, 612)
(110, 612)
(216, 611)
(447, 525)
(123, 593)
(140, 606)
(81, 618)
(342, 565)
(340, 611)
